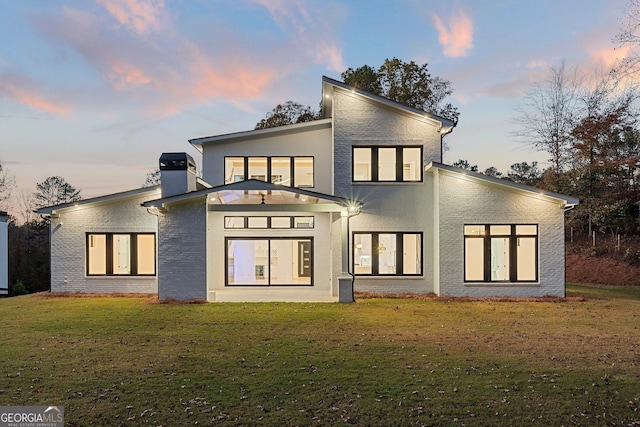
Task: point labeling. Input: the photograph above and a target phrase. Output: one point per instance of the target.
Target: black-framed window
(257, 222)
(501, 253)
(387, 254)
(121, 254)
(291, 171)
(269, 261)
(387, 164)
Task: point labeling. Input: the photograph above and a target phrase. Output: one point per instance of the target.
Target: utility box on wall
(4, 254)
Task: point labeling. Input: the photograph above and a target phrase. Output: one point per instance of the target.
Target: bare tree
(549, 113)
(26, 206)
(629, 37)
(7, 184)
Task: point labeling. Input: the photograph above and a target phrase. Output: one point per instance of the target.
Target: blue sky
(96, 90)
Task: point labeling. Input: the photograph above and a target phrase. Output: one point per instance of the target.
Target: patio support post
(345, 281)
(344, 242)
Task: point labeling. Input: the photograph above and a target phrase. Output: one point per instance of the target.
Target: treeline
(589, 129)
(29, 245)
(608, 192)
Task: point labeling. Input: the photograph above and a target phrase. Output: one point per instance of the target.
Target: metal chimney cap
(177, 162)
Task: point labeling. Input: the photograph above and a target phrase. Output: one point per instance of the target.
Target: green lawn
(121, 361)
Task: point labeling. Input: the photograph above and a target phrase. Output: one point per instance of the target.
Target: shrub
(19, 288)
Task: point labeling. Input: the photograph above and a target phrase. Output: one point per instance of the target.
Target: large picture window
(387, 254)
(269, 261)
(387, 164)
(121, 254)
(500, 253)
(287, 171)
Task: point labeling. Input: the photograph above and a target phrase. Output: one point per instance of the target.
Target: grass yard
(121, 361)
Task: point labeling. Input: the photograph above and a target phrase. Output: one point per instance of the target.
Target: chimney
(177, 174)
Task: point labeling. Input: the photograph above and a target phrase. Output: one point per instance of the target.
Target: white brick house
(357, 200)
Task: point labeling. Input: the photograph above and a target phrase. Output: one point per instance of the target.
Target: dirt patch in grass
(47, 294)
(155, 300)
(149, 298)
(601, 271)
(434, 297)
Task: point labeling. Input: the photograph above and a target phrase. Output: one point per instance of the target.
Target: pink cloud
(456, 40)
(141, 16)
(329, 54)
(203, 78)
(610, 57)
(23, 91)
(163, 73)
(125, 75)
(293, 16)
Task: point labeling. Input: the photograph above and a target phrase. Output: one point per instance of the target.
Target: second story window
(387, 164)
(287, 171)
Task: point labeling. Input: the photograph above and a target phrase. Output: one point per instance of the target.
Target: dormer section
(296, 156)
(378, 140)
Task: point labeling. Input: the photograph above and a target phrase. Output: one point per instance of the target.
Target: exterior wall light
(353, 207)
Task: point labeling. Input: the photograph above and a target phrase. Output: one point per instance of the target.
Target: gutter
(442, 135)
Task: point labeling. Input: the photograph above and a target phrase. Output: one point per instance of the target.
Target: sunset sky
(95, 91)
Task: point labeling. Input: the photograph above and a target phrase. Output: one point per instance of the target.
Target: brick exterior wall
(69, 244)
(408, 207)
(463, 201)
(182, 252)
(392, 207)
(359, 121)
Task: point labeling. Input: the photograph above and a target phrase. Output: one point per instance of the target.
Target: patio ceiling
(263, 197)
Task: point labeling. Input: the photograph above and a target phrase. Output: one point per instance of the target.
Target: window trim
(133, 253)
(268, 284)
(375, 164)
(268, 179)
(513, 255)
(399, 250)
(291, 218)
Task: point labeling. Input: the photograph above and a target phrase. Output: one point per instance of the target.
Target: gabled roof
(254, 192)
(433, 166)
(269, 132)
(328, 85)
(48, 210)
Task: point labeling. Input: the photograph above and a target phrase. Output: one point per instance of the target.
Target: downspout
(47, 219)
(442, 135)
(566, 209)
(353, 276)
(150, 211)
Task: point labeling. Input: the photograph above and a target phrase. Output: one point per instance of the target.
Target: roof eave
(275, 131)
(48, 210)
(567, 200)
(444, 125)
(250, 184)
